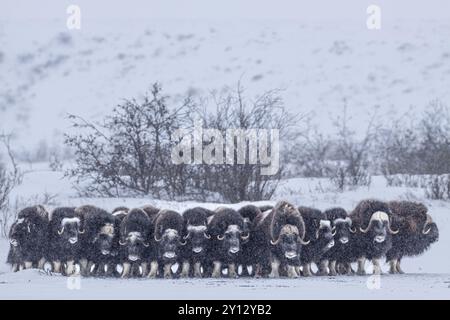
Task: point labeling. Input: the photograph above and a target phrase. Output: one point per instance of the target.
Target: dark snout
(379, 233)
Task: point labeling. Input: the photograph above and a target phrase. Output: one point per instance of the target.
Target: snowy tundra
(427, 276)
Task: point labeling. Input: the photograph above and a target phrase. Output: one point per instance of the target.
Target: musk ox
(341, 253)
(227, 230)
(195, 234)
(417, 232)
(168, 240)
(64, 240)
(134, 242)
(373, 239)
(28, 239)
(247, 258)
(320, 239)
(99, 242)
(277, 241)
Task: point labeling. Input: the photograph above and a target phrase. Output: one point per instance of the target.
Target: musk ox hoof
(361, 272)
(332, 273)
(321, 273)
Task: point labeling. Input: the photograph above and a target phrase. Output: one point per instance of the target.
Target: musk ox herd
(270, 241)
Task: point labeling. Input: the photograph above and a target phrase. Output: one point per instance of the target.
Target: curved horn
(207, 236)
(274, 243)
(303, 242)
(246, 237)
(81, 232)
(390, 230)
(220, 238)
(317, 233)
(187, 236)
(352, 229)
(122, 243)
(333, 231)
(156, 239)
(60, 232)
(146, 244)
(368, 227)
(182, 242)
(427, 222)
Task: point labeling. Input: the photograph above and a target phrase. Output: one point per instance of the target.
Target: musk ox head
(168, 234)
(227, 227)
(287, 230)
(412, 219)
(196, 229)
(66, 226)
(342, 225)
(374, 220)
(318, 228)
(249, 213)
(134, 234)
(29, 226)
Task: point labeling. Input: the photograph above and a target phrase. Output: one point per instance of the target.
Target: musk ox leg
(275, 272)
(197, 270)
(28, 264)
(332, 266)
(376, 266)
(15, 267)
(232, 271)
(307, 270)
(167, 271)
(399, 269)
(84, 268)
(185, 270)
(41, 263)
(361, 266)
(393, 266)
(217, 270)
(348, 270)
(70, 268)
(126, 270)
(291, 272)
(57, 266)
(323, 268)
(153, 269)
(144, 269)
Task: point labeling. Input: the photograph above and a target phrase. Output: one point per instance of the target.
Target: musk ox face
(21, 231)
(288, 242)
(429, 231)
(379, 227)
(232, 239)
(169, 244)
(342, 230)
(325, 235)
(104, 240)
(69, 230)
(197, 238)
(134, 244)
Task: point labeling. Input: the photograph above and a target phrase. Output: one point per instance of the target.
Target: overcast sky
(224, 9)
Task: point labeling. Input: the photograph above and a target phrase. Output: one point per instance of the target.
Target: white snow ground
(428, 275)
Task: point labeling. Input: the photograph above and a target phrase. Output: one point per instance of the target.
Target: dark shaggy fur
(247, 258)
(168, 232)
(318, 233)
(416, 234)
(341, 253)
(28, 238)
(99, 242)
(365, 245)
(195, 233)
(134, 243)
(276, 240)
(226, 228)
(64, 240)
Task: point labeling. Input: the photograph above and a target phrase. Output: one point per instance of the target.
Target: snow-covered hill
(48, 71)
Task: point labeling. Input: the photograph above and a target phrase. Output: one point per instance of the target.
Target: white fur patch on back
(380, 216)
(70, 220)
(171, 233)
(21, 220)
(325, 224)
(265, 214)
(191, 228)
(119, 212)
(233, 228)
(340, 220)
